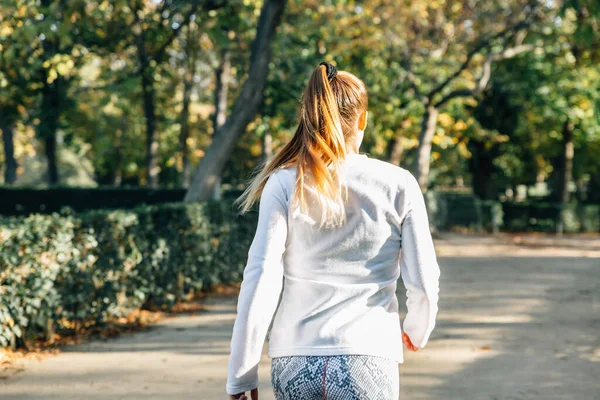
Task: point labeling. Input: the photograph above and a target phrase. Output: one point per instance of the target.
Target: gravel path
(519, 319)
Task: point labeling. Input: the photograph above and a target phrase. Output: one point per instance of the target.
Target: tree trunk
(267, 145)
(49, 114)
(223, 79)
(147, 81)
(481, 165)
(151, 142)
(118, 174)
(185, 114)
(10, 172)
(566, 175)
(245, 107)
(185, 134)
(50, 147)
(190, 50)
(50, 108)
(396, 149)
(422, 160)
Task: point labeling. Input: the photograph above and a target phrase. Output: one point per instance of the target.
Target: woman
(330, 229)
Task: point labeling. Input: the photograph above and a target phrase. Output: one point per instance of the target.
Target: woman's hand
(408, 343)
(242, 396)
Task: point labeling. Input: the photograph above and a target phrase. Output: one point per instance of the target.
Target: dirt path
(517, 321)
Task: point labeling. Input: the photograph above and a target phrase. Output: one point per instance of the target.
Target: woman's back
(331, 226)
(339, 283)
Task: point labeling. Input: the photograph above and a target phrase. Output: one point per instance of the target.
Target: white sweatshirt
(339, 284)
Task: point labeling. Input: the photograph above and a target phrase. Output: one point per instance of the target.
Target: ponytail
(318, 145)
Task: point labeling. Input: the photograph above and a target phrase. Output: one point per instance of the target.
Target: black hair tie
(331, 70)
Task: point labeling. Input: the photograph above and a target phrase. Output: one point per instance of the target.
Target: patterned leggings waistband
(336, 377)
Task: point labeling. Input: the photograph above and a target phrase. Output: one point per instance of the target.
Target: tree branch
(511, 31)
(410, 77)
(207, 5)
(486, 73)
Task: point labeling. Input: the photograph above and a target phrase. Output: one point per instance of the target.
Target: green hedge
(543, 217)
(450, 210)
(68, 270)
(16, 201)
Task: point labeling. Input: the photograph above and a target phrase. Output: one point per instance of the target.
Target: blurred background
(491, 101)
(129, 126)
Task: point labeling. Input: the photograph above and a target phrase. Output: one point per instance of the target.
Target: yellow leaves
(445, 120)
(585, 104)
(388, 133)
(380, 144)
(171, 161)
(470, 101)
(190, 142)
(410, 143)
(205, 42)
(460, 125)
(64, 68)
(100, 33)
(29, 149)
(199, 153)
(52, 75)
(6, 30)
(60, 64)
(103, 6)
(463, 150)
(22, 11)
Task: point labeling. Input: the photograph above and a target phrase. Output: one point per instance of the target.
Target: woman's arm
(419, 267)
(260, 289)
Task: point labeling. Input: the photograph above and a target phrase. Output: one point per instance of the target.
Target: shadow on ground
(512, 328)
(509, 328)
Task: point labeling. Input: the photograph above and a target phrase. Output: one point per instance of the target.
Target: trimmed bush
(543, 217)
(24, 201)
(65, 271)
(448, 210)
(491, 215)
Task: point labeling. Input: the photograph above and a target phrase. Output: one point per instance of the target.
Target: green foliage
(543, 217)
(450, 210)
(24, 201)
(84, 59)
(78, 270)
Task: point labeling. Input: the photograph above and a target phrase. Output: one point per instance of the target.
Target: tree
(487, 46)
(245, 108)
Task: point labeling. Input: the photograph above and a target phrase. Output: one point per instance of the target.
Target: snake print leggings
(339, 377)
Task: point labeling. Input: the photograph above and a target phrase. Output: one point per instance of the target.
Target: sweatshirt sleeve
(261, 286)
(419, 268)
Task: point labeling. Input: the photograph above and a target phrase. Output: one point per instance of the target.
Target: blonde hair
(330, 106)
